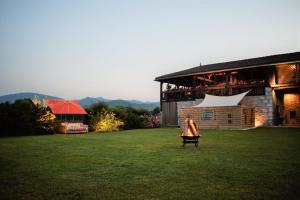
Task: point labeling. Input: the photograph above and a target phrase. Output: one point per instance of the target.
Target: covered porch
(193, 87)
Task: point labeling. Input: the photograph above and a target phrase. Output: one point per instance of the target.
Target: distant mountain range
(85, 102)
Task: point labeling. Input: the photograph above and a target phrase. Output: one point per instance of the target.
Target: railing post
(226, 83)
(194, 88)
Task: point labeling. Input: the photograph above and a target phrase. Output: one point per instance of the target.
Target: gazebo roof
(59, 106)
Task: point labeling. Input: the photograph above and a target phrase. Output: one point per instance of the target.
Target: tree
(23, 117)
(98, 108)
(45, 119)
(155, 111)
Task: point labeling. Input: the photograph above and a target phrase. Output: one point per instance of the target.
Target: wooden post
(194, 88)
(297, 73)
(226, 83)
(161, 88)
(275, 74)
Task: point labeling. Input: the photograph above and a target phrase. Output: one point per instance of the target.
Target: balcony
(190, 94)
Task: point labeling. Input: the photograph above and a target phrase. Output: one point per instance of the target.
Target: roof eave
(224, 70)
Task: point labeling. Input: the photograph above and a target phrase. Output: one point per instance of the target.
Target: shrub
(106, 122)
(153, 122)
(132, 118)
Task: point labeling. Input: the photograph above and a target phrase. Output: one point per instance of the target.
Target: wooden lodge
(273, 82)
(232, 117)
(69, 115)
(220, 112)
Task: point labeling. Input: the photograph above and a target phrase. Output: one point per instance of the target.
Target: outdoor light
(293, 67)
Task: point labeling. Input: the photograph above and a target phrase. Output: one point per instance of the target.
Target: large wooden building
(273, 81)
(220, 112)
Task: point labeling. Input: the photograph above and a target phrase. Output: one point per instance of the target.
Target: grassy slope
(150, 164)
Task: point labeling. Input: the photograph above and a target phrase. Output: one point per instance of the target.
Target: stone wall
(264, 108)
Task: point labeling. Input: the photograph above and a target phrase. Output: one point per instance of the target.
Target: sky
(115, 48)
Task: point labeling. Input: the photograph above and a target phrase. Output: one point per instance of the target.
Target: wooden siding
(169, 114)
(233, 117)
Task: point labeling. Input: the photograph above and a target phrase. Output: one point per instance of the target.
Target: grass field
(151, 164)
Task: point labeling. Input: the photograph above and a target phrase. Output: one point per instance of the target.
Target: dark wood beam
(275, 74)
(204, 79)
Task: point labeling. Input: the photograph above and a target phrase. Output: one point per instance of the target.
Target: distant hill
(90, 100)
(119, 102)
(133, 104)
(24, 95)
(85, 102)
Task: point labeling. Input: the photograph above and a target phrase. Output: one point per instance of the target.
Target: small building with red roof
(69, 115)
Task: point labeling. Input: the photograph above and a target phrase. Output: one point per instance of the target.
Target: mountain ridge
(85, 102)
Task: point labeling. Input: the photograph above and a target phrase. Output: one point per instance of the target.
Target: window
(207, 115)
(229, 116)
(252, 115)
(58, 117)
(245, 114)
(293, 114)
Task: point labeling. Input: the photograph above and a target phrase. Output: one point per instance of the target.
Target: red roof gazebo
(69, 114)
(60, 106)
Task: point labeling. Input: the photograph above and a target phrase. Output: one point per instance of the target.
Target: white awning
(213, 101)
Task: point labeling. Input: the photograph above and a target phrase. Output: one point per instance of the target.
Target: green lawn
(151, 164)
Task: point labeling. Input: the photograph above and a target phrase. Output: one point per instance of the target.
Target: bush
(153, 122)
(132, 118)
(106, 122)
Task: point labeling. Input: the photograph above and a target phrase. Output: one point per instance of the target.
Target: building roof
(60, 106)
(215, 101)
(232, 65)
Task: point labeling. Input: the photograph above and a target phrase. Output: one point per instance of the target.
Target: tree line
(23, 117)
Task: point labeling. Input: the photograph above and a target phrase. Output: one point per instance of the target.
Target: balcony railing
(254, 90)
(199, 92)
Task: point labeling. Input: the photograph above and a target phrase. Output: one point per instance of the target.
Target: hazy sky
(115, 49)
